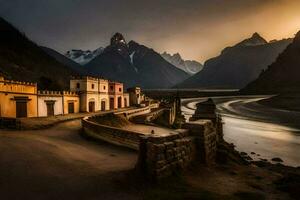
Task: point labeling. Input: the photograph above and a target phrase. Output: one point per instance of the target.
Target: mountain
(21, 59)
(65, 61)
(283, 75)
(135, 64)
(237, 65)
(83, 57)
(189, 66)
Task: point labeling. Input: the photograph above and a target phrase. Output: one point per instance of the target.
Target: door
(119, 102)
(70, 108)
(21, 109)
(125, 103)
(111, 103)
(50, 109)
(103, 105)
(92, 106)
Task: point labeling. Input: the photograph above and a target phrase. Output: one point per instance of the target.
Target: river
(252, 127)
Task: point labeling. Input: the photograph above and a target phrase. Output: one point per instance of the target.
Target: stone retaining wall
(160, 157)
(112, 135)
(135, 112)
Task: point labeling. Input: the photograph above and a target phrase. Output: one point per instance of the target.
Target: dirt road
(58, 163)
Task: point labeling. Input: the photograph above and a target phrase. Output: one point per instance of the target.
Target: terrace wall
(162, 156)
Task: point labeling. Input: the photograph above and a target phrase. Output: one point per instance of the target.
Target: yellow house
(17, 99)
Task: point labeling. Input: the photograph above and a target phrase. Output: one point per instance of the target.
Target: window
(104, 87)
(112, 87)
(120, 89)
(93, 86)
(77, 85)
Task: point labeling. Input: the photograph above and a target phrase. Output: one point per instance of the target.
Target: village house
(17, 99)
(51, 103)
(135, 95)
(99, 94)
(87, 94)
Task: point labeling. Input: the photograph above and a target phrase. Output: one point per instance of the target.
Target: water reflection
(251, 129)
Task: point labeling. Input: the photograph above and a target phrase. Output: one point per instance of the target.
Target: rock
(248, 158)
(253, 153)
(243, 154)
(277, 160)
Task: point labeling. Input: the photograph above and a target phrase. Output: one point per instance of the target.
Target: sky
(197, 29)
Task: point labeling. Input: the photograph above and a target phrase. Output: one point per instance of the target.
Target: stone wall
(161, 157)
(112, 135)
(135, 112)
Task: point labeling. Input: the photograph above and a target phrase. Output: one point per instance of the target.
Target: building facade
(135, 95)
(99, 94)
(17, 99)
(87, 94)
(51, 103)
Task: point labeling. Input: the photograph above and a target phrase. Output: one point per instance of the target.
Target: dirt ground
(57, 163)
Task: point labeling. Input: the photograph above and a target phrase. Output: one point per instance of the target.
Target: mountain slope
(23, 60)
(237, 65)
(189, 66)
(135, 64)
(65, 61)
(283, 75)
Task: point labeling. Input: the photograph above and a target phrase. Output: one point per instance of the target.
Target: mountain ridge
(135, 64)
(237, 65)
(22, 59)
(282, 76)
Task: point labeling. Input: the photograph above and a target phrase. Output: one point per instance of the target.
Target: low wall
(11, 123)
(135, 112)
(112, 135)
(162, 156)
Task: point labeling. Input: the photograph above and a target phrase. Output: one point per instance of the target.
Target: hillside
(21, 59)
(237, 65)
(65, 60)
(283, 75)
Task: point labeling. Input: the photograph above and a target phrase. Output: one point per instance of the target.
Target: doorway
(119, 102)
(103, 105)
(111, 103)
(21, 109)
(91, 106)
(50, 108)
(125, 103)
(70, 107)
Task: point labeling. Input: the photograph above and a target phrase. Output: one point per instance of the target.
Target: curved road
(58, 164)
(255, 128)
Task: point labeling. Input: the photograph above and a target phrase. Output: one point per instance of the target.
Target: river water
(267, 132)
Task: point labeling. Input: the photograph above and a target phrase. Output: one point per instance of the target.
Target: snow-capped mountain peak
(190, 66)
(83, 57)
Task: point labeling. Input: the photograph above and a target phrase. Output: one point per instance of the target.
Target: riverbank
(252, 127)
(285, 101)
